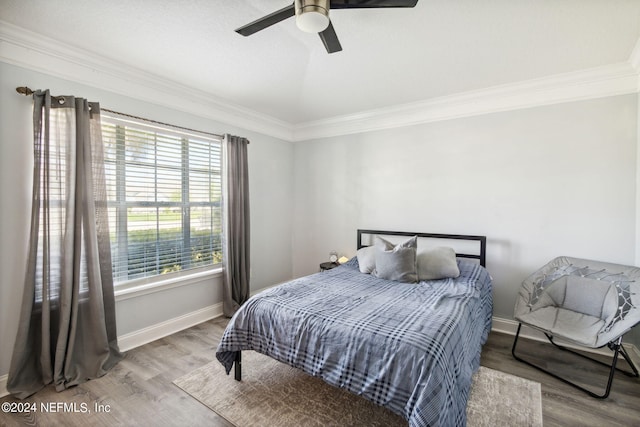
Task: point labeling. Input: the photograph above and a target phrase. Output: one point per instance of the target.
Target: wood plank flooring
(563, 405)
(139, 390)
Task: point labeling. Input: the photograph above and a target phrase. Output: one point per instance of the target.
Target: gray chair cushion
(580, 294)
(579, 328)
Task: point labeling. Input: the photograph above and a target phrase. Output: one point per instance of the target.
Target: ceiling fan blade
(361, 4)
(267, 21)
(330, 39)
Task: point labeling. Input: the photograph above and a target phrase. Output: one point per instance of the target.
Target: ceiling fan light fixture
(312, 16)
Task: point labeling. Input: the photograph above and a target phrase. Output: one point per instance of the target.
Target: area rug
(274, 394)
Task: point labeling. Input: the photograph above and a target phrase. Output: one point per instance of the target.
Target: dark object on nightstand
(328, 265)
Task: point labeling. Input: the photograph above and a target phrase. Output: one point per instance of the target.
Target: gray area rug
(274, 394)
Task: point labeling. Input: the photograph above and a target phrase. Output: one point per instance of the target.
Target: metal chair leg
(612, 346)
(615, 346)
(633, 366)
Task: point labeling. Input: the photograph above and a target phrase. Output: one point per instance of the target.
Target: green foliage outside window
(167, 250)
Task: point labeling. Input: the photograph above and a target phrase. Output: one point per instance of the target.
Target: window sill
(134, 290)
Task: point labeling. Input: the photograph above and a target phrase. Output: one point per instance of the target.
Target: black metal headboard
(482, 240)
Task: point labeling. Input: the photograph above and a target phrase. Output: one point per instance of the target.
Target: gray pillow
(437, 263)
(396, 262)
(366, 259)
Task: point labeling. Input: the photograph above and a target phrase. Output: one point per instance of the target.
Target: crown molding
(610, 80)
(30, 50)
(33, 51)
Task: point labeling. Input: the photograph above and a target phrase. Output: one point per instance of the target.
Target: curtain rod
(24, 90)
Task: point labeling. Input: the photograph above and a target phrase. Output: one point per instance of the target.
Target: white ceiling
(390, 56)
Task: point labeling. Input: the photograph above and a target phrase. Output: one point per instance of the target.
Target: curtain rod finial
(24, 90)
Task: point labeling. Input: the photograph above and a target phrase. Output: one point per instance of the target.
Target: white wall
(539, 182)
(271, 169)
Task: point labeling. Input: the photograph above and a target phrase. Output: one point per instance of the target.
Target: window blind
(164, 198)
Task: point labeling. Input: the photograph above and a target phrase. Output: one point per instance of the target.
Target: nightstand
(324, 266)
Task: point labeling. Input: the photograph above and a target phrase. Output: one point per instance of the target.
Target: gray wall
(271, 189)
(538, 182)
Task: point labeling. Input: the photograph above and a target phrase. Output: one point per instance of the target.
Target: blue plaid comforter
(409, 347)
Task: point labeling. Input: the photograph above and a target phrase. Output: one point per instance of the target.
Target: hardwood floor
(139, 390)
(563, 405)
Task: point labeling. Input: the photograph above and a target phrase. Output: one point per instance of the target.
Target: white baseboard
(160, 330)
(509, 326)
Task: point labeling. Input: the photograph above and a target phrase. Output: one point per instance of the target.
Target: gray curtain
(67, 333)
(236, 227)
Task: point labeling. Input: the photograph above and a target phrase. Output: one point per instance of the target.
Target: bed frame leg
(238, 366)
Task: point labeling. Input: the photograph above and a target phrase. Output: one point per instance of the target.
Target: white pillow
(366, 259)
(437, 263)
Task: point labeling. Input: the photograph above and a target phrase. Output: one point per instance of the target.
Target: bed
(410, 347)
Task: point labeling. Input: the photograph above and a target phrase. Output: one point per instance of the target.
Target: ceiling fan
(312, 16)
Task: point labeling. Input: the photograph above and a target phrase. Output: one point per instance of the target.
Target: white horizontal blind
(164, 195)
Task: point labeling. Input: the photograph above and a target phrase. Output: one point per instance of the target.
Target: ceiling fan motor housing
(312, 16)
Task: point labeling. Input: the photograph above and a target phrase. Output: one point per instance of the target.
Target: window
(164, 193)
